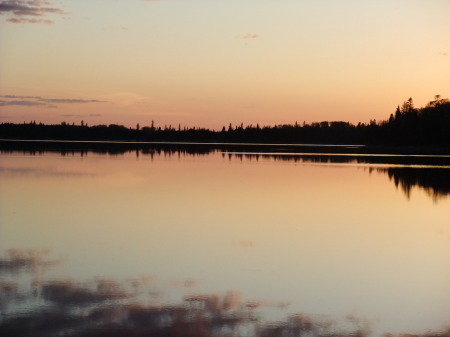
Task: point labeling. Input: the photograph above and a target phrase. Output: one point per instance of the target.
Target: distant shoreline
(410, 130)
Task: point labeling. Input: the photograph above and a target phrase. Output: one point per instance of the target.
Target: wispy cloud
(9, 100)
(78, 115)
(29, 11)
(24, 20)
(246, 243)
(20, 102)
(69, 100)
(249, 36)
(20, 97)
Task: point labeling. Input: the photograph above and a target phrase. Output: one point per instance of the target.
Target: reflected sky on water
(309, 235)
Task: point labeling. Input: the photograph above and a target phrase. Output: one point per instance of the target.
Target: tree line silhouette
(407, 126)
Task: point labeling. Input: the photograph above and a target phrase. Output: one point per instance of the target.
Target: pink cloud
(249, 36)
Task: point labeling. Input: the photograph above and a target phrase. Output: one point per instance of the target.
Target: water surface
(358, 242)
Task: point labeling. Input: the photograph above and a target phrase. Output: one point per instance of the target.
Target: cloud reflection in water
(109, 308)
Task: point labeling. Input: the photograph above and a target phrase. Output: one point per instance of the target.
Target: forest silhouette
(406, 126)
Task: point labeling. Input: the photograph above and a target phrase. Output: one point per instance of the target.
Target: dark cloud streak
(42, 101)
(21, 102)
(20, 97)
(69, 100)
(29, 11)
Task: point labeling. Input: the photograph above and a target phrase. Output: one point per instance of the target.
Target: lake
(223, 240)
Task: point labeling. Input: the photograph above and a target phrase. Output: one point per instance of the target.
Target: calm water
(225, 242)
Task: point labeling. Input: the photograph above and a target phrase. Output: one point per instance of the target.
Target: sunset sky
(209, 63)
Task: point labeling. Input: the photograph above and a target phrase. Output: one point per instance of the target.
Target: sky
(208, 63)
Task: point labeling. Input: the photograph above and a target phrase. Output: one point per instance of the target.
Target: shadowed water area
(222, 240)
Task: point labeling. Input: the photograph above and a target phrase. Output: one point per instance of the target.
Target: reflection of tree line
(435, 181)
(36, 147)
(119, 148)
(109, 308)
